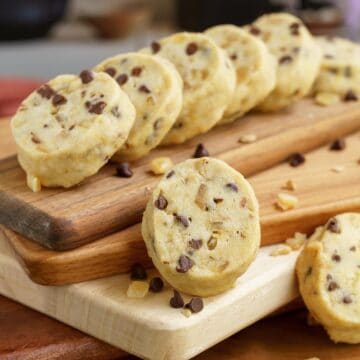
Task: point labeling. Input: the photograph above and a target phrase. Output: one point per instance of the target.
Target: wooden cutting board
(149, 327)
(64, 219)
(321, 193)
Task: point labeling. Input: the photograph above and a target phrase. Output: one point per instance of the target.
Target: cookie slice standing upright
(328, 270)
(297, 54)
(209, 82)
(340, 68)
(201, 226)
(70, 127)
(155, 88)
(254, 65)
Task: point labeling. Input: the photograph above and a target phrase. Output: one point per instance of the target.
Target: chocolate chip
(95, 108)
(196, 304)
(195, 244)
(58, 100)
(233, 56)
(156, 284)
(170, 174)
(232, 186)
(200, 151)
(182, 219)
(184, 264)
(72, 127)
(122, 79)
(294, 25)
(161, 202)
(296, 159)
(86, 76)
(144, 89)
(115, 111)
(286, 59)
(294, 29)
(45, 91)
(35, 139)
(191, 48)
(123, 170)
(347, 299)
(138, 272)
(336, 258)
(338, 144)
(136, 71)
(350, 96)
(332, 286)
(218, 200)
(177, 301)
(155, 47)
(254, 30)
(333, 226)
(110, 71)
(353, 248)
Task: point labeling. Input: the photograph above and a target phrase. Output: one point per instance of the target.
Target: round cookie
(209, 82)
(155, 89)
(340, 67)
(328, 270)
(68, 129)
(201, 226)
(297, 54)
(254, 65)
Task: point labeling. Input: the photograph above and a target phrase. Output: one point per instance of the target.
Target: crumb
(281, 249)
(326, 99)
(286, 201)
(289, 185)
(33, 183)
(297, 241)
(247, 139)
(337, 168)
(186, 312)
(161, 165)
(137, 289)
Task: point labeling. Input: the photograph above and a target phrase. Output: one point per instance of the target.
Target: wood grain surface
(321, 193)
(63, 219)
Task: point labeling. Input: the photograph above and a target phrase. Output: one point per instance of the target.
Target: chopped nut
(286, 201)
(337, 168)
(289, 185)
(200, 199)
(326, 98)
(186, 312)
(247, 139)
(281, 249)
(161, 165)
(137, 289)
(297, 241)
(33, 183)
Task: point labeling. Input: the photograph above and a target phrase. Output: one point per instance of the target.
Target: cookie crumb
(137, 289)
(286, 201)
(161, 165)
(281, 249)
(297, 241)
(326, 99)
(247, 139)
(186, 312)
(33, 182)
(289, 185)
(337, 168)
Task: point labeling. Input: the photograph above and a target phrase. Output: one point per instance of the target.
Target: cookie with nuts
(155, 88)
(201, 226)
(328, 270)
(68, 129)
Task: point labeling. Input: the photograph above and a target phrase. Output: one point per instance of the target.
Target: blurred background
(42, 38)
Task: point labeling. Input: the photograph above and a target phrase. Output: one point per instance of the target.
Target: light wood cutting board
(63, 219)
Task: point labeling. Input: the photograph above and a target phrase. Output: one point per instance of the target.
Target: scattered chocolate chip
(177, 301)
(347, 299)
(184, 264)
(296, 159)
(196, 304)
(136, 71)
(182, 219)
(218, 200)
(122, 79)
(58, 100)
(332, 286)
(144, 89)
(156, 284)
(110, 71)
(170, 174)
(333, 226)
(95, 108)
(200, 151)
(353, 248)
(35, 139)
(232, 186)
(195, 244)
(161, 203)
(155, 47)
(191, 48)
(138, 272)
(350, 96)
(286, 59)
(336, 258)
(338, 144)
(86, 76)
(254, 30)
(45, 91)
(123, 170)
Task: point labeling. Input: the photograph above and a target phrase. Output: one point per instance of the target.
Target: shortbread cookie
(328, 270)
(340, 67)
(209, 82)
(70, 127)
(254, 65)
(155, 88)
(297, 54)
(201, 226)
